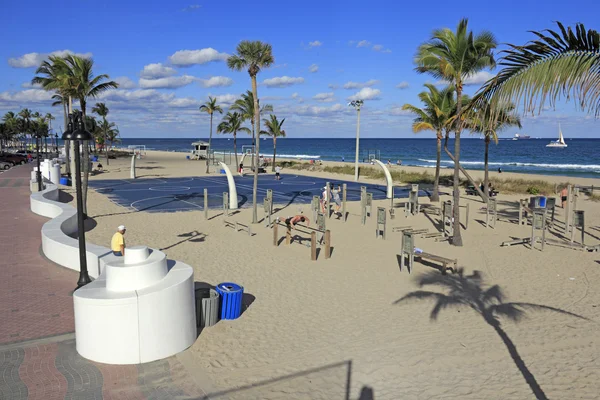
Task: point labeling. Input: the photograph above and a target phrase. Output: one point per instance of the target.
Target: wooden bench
(442, 260)
(471, 191)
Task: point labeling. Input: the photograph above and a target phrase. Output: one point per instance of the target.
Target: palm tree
(232, 123)
(253, 56)
(453, 57)
(245, 105)
(434, 116)
(101, 110)
(49, 118)
(112, 132)
(274, 130)
(490, 120)
(487, 301)
(211, 107)
(563, 63)
(11, 124)
(26, 116)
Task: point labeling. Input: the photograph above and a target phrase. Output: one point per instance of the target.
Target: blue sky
(168, 57)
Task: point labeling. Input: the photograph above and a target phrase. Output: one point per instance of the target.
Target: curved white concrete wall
(233, 199)
(388, 178)
(145, 323)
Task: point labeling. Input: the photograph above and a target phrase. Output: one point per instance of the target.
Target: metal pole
(357, 144)
(38, 174)
(84, 278)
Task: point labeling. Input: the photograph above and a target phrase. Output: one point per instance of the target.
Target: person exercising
(296, 219)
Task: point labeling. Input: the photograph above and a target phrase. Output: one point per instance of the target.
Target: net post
(205, 203)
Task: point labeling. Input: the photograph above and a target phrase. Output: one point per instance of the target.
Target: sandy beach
(333, 329)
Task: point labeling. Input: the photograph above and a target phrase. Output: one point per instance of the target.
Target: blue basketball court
(185, 194)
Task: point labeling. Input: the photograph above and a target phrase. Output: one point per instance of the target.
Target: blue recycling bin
(64, 181)
(542, 201)
(95, 158)
(231, 299)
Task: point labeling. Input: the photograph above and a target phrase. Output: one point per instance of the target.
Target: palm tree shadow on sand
(487, 301)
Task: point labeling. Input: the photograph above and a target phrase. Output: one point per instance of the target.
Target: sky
(168, 57)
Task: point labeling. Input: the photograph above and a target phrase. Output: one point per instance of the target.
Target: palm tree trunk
(274, 153)
(485, 164)
(435, 196)
(235, 149)
(253, 141)
(514, 354)
(72, 147)
(86, 162)
(105, 140)
(256, 163)
(457, 238)
(210, 146)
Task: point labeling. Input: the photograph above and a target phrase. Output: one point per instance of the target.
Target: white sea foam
(520, 164)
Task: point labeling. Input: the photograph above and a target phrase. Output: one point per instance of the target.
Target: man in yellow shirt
(117, 243)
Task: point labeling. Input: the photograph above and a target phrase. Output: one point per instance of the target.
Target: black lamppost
(76, 131)
(38, 175)
(56, 143)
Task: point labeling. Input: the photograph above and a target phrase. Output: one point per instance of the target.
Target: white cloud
(29, 85)
(184, 58)
(325, 97)
(381, 49)
(124, 82)
(185, 102)
(226, 99)
(318, 111)
(479, 78)
(216, 81)
(313, 68)
(157, 70)
(316, 43)
(282, 81)
(31, 60)
(26, 96)
(192, 7)
(363, 43)
(366, 94)
(386, 51)
(359, 85)
(398, 111)
(170, 82)
(402, 85)
(332, 86)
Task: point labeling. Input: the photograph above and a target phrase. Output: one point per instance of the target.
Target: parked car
(5, 165)
(13, 158)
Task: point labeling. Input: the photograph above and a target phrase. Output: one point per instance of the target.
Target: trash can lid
(229, 287)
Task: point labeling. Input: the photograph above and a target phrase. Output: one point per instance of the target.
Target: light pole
(357, 104)
(38, 175)
(56, 143)
(76, 131)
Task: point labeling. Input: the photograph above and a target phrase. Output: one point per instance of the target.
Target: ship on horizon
(521, 137)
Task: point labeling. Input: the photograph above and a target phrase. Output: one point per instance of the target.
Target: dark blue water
(581, 157)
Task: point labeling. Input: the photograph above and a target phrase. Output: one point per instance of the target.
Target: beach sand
(331, 329)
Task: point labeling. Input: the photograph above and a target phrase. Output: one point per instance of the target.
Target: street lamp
(38, 175)
(56, 143)
(76, 131)
(357, 104)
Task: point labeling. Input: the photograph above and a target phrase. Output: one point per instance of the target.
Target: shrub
(533, 190)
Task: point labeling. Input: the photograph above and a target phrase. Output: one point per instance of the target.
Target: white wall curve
(151, 320)
(233, 199)
(388, 178)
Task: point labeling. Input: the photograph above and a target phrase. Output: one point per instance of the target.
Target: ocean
(581, 158)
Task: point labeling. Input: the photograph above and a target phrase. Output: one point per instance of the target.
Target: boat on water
(560, 142)
(521, 137)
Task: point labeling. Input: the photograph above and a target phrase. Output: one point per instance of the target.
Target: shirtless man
(292, 221)
(564, 193)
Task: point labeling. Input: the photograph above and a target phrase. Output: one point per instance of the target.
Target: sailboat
(560, 142)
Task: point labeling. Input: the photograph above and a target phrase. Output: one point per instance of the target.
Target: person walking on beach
(336, 198)
(242, 170)
(324, 198)
(277, 172)
(117, 243)
(564, 193)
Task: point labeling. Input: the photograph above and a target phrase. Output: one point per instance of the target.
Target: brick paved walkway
(38, 359)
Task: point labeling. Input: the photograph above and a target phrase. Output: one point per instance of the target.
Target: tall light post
(38, 140)
(56, 143)
(357, 104)
(76, 131)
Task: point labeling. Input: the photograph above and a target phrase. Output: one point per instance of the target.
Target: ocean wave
(521, 164)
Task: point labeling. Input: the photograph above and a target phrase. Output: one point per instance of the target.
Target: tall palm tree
(564, 63)
(489, 120)
(26, 116)
(101, 110)
(11, 125)
(434, 116)
(487, 301)
(253, 56)
(454, 57)
(112, 132)
(49, 118)
(245, 105)
(211, 107)
(232, 123)
(274, 130)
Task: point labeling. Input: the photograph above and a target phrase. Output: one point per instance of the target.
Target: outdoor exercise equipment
(233, 202)
(491, 213)
(408, 252)
(388, 179)
(380, 231)
(132, 171)
(412, 206)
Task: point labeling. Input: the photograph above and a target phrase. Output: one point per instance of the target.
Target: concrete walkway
(38, 359)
